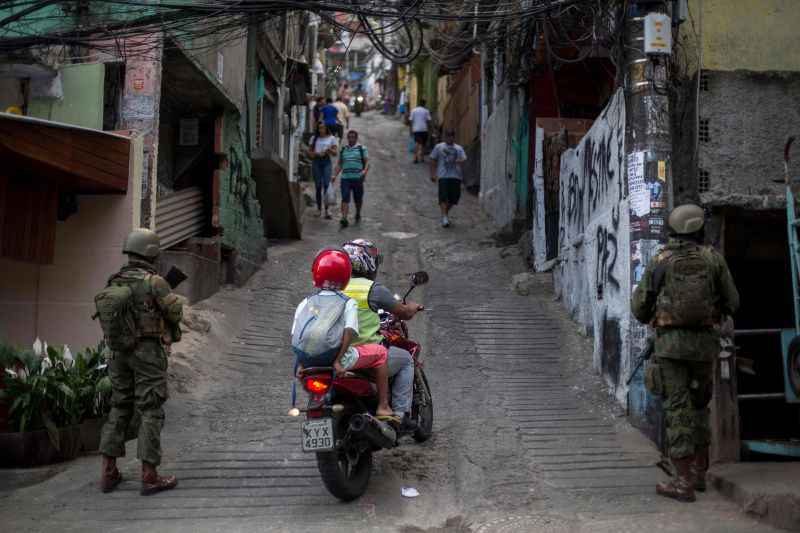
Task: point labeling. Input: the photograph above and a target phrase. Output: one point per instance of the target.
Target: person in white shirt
(446, 160)
(323, 146)
(342, 119)
(419, 119)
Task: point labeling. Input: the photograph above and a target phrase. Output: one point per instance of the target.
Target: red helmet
(331, 270)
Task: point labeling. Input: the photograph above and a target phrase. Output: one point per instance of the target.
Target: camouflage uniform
(682, 371)
(139, 376)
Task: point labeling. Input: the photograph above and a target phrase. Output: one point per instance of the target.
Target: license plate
(318, 435)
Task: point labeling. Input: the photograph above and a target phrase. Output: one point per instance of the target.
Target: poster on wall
(638, 190)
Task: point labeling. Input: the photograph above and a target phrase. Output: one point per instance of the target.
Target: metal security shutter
(179, 216)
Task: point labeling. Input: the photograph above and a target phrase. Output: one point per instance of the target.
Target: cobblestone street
(525, 438)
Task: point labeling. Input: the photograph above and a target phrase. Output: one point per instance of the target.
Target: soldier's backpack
(318, 328)
(687, 297)
(115, 310)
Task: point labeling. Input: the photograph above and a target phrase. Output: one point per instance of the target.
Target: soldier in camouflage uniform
(139, 376)
(685, 291)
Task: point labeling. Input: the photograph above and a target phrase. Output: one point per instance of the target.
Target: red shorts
(370, 356)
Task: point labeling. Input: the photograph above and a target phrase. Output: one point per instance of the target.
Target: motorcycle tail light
(315, 385)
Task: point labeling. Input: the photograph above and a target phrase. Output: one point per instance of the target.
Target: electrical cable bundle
(394, 27)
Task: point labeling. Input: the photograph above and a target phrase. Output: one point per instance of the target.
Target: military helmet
(686, 219)
(142, 242)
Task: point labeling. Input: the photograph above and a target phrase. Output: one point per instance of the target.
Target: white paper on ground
(409, 492)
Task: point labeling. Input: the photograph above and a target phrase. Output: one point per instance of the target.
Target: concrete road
(525, 438)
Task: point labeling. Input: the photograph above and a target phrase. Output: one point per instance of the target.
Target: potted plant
(43, 408)
(94, 391)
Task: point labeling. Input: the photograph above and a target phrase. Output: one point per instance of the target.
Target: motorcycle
(341, 427)
(359, 105)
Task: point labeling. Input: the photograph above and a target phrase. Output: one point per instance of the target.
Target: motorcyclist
(372, 297)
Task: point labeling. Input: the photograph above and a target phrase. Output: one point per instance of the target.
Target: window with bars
(704, 81)
(704, 134)
(703, 179)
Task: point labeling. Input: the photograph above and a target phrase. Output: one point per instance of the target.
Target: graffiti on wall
(239, 182)
(594, 274)
(592, 175)
(607, 253)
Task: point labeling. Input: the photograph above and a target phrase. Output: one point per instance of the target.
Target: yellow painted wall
(413, 92)
(754, 35)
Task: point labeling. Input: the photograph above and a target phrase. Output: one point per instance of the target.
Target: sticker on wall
(662, 170)
(656, 226)
(138, 84)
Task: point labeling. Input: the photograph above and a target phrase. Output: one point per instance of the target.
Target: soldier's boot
(109, 475)
(681, 487)
(152, 482)
(699, 469)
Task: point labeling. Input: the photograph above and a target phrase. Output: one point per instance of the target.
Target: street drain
(526, 524)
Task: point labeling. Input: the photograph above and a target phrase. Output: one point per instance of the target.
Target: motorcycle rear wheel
(333, 468)
(422, 408)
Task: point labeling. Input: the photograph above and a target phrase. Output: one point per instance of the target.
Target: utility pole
(648, 147)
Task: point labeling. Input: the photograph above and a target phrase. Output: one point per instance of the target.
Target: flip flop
(393, 420)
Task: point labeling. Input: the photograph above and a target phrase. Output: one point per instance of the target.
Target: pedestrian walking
(342, 118)
(685, 293)
(140, 317)
(446, 160)
(420, 119)
(353, 167)
(323, 147)
(329, 113)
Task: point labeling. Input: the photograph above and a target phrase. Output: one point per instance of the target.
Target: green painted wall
(82, 104)
(240, 211)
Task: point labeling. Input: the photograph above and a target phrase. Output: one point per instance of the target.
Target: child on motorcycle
(326, 323)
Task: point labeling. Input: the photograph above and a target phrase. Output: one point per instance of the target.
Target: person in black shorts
(353, 167)
(446, 160)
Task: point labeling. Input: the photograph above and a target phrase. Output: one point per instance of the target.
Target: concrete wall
(498, 189)
(749, 116)
(756, 35)
(82, 103)
(592, 275)
(538, 234)
(55, 302)
(234, 66)
(240, 210)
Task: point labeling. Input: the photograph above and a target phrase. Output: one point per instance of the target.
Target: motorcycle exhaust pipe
(378, 433)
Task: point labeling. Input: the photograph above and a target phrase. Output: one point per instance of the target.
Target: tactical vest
(687, 296)
(148, 317)
(369, 323)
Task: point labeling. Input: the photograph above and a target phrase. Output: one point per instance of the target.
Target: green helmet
(686, 219)
(142, 242)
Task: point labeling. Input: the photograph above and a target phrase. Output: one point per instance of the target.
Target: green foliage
(54, 389)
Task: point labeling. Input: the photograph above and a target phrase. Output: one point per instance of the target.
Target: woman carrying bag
(323, 146)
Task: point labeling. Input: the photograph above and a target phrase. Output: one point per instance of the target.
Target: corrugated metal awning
(79, 159)
(180, 215)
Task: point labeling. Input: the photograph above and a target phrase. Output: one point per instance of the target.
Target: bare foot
(384, 411)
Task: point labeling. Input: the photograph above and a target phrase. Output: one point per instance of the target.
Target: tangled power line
(396, 28)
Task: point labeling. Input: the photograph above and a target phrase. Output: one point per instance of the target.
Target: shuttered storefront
(180, 215)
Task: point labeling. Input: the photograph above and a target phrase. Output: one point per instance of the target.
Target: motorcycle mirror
(419, 278)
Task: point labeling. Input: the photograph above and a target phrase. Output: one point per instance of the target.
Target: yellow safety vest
(369, 323)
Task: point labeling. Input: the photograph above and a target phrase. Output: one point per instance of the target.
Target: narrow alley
(526, 439)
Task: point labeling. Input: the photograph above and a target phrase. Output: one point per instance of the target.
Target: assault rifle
(645, 355)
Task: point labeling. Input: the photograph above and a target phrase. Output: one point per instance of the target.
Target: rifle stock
(645, 355)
